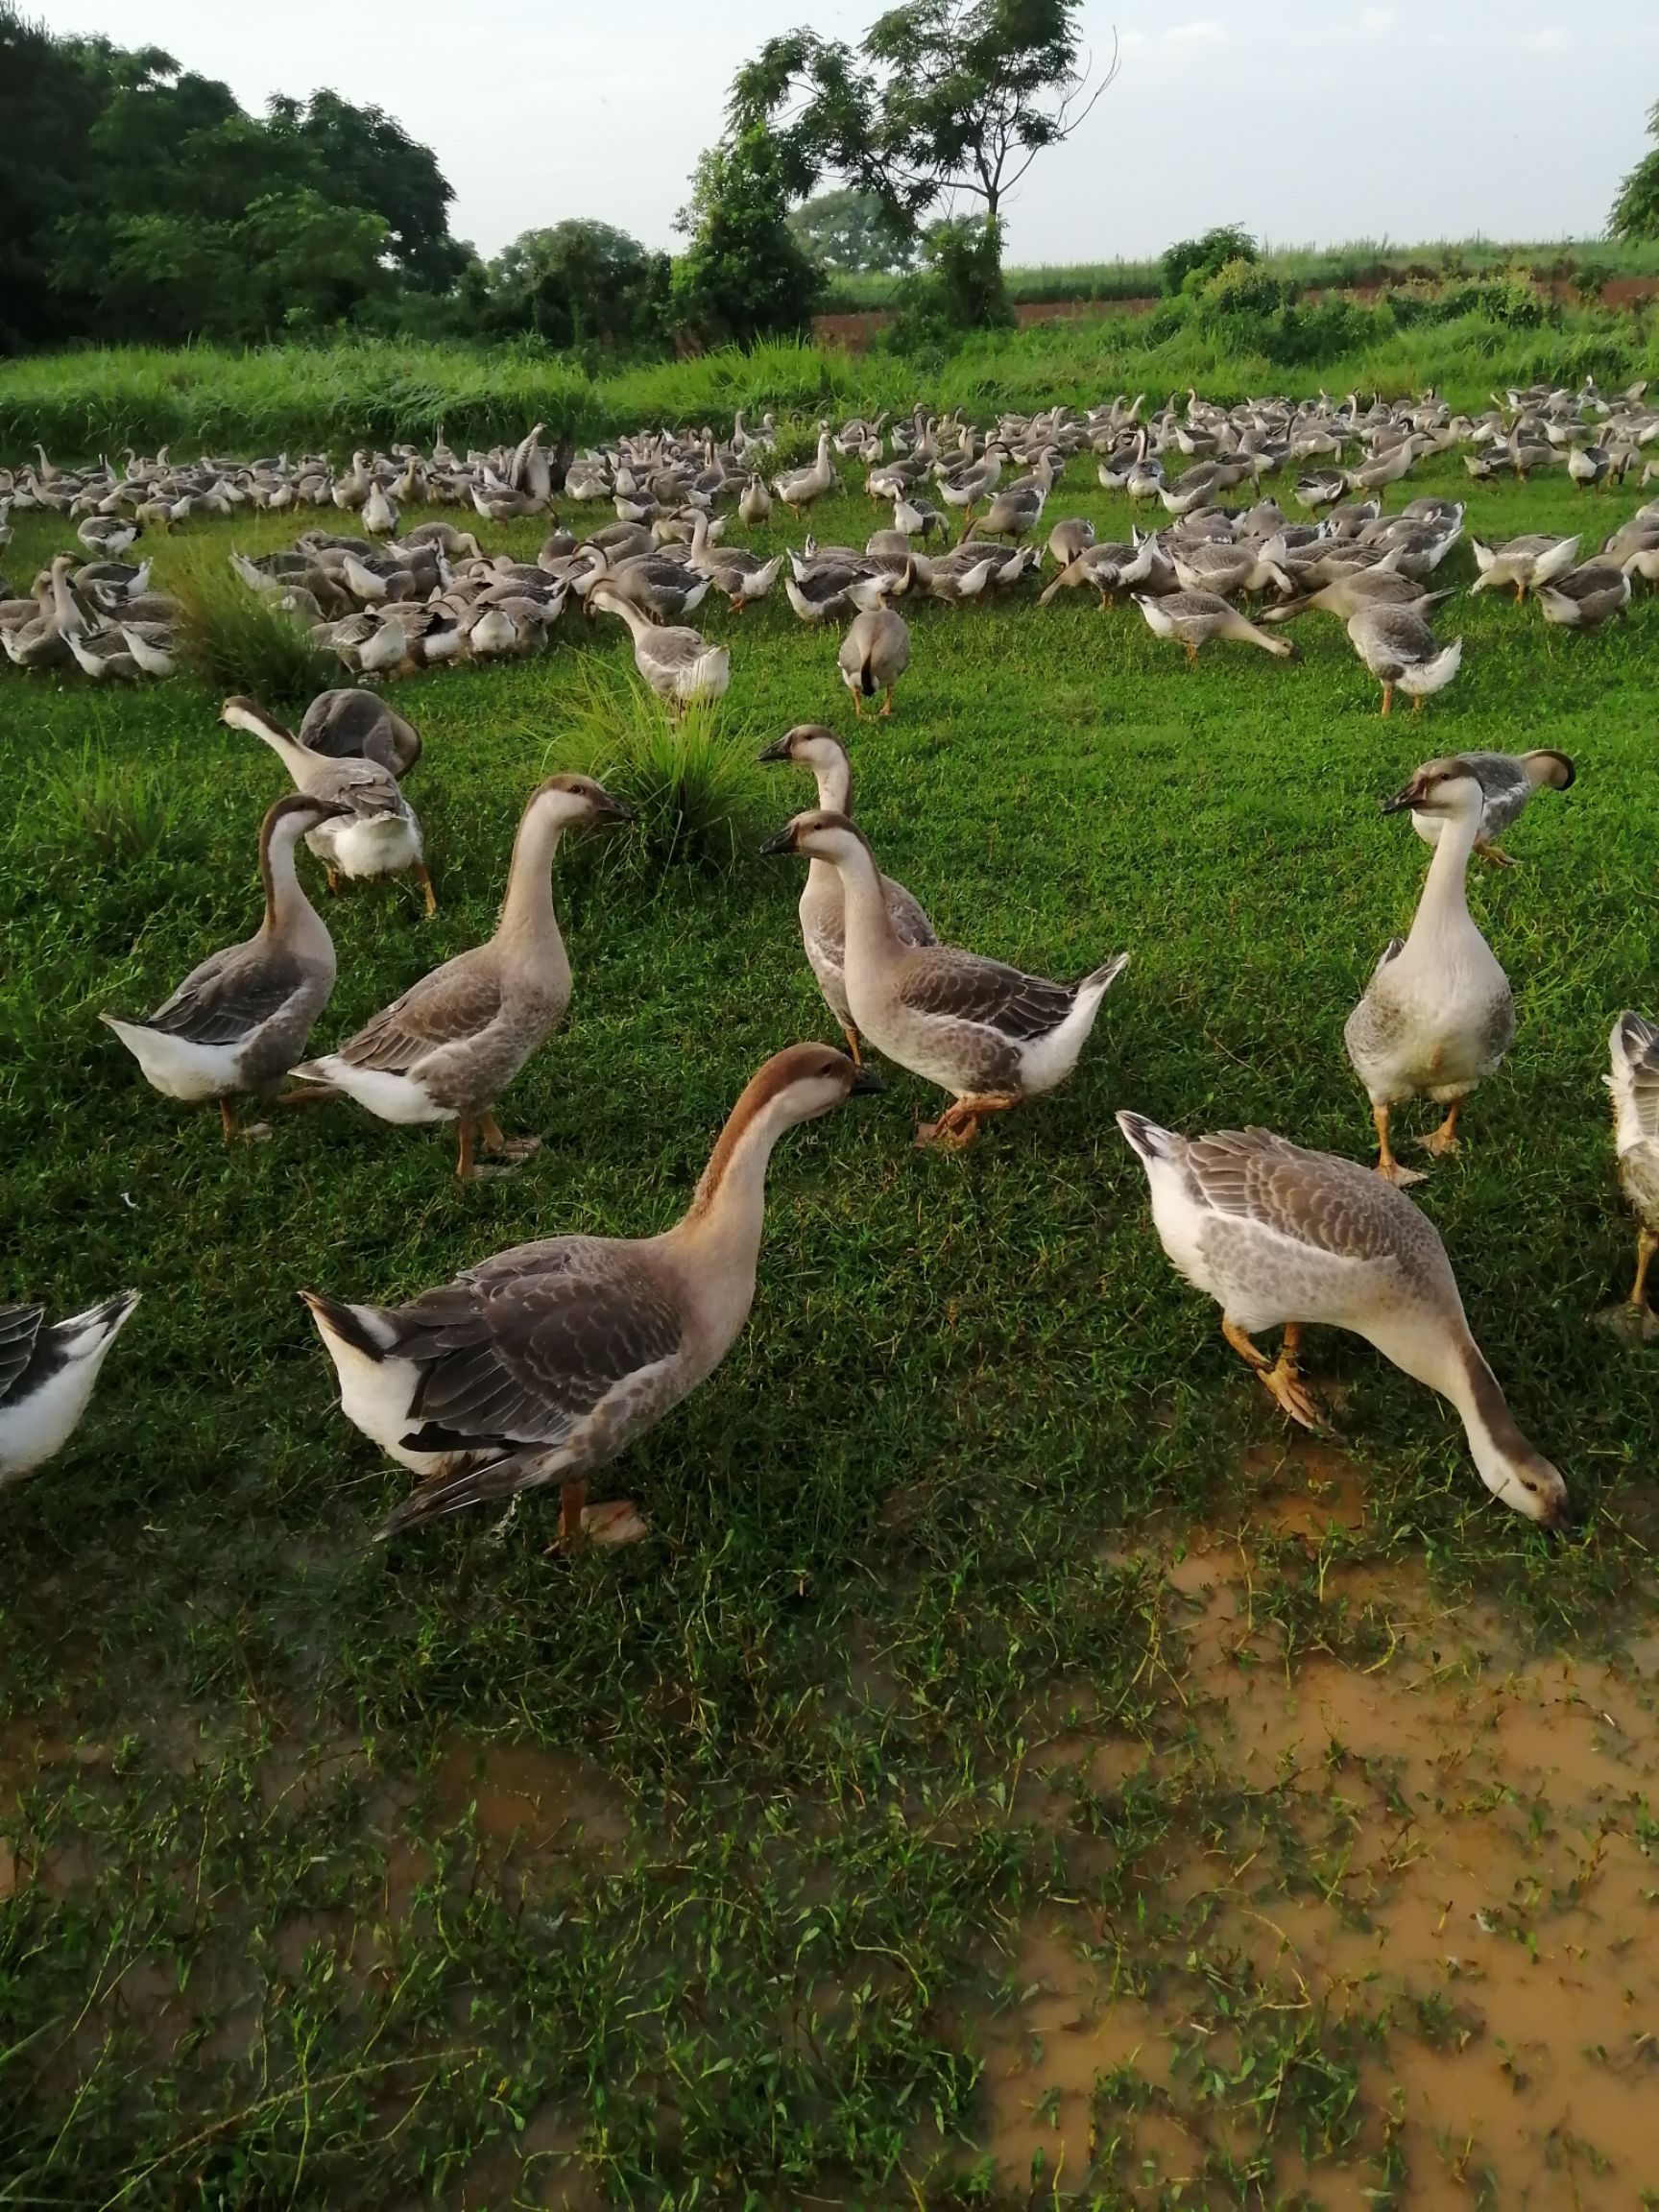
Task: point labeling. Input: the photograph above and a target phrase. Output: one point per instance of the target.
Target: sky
(1311, 122)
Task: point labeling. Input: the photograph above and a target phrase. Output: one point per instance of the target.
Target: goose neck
(529, 921)
(1445, 899)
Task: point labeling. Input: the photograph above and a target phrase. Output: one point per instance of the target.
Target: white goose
(47, 1375)
(1437, 1016)
(1280, 1237)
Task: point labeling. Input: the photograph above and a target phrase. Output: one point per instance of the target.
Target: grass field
(903, 1691)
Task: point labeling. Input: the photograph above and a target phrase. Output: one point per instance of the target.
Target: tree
(852, 230)
(576, 282)
(363, 157)
(942, 97)
(1226, 243)
(1636, 210)
(743, 273)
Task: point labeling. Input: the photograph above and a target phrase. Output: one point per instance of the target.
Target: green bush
(1204, 256)
(240, 640)
(1241, 287)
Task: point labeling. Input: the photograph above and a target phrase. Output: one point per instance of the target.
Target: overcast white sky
(1309, 121)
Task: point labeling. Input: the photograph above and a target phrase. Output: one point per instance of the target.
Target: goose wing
(1312, 1199)
(230, 995)
(522, 1349)
(20, 1327)
(454, 1002)
(953, 986)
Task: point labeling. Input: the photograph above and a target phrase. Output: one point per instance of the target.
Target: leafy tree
(576, 282)
(744, 273)
(363, 157)
(1199, 258)
(47, 108)
(941, 98)
(852, 230)
(959, 286)
(1636, 210)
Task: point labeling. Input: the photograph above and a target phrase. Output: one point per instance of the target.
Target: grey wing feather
(519, 1350)
(959, 986)
(20, 1327)
(1313, 1198)
(910, 925)
(230, 995)
(455, 1001)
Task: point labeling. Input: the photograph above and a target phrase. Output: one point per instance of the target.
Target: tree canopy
(141, 200)
(578, 282)
(850, 230)
(743, 274)
(941, 98)
(1636, 210)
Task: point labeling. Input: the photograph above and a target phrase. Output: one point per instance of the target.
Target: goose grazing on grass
(239, 1021)
(1437, 1016)
(1507, 781)
(874, 655)
(680, 666)
(370, 830)
(1528, 563)
(1586, 596)
(47, 1376)
(988, 1034)
(450, 1046)
(544, 1363)
(1194, 618)
(823, 916)
(1280, 1237)
(1634, 1082)
(355, 725)
(1401, 650)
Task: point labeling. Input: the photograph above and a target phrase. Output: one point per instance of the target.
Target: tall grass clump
(236, 639)
(700, 800)
(106, 813)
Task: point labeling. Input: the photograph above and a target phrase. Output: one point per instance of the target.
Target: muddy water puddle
(1448, 1858)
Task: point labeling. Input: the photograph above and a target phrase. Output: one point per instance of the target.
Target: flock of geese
(543, 1364)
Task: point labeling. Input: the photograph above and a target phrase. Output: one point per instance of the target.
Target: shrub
(1227, 242)
(236, 639)
(1242, 287)
(960, 286)
(106, 814)
(700, 799)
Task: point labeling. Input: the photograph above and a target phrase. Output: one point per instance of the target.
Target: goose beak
(783, 842)
(865, 1079)
(778, 751)
(1401, 801)
(617, 809)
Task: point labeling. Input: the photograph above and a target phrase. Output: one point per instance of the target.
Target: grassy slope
(301, 396)
(889, 1538)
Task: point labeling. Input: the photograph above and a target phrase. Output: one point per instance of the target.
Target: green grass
(261, 1952)
(335, 397)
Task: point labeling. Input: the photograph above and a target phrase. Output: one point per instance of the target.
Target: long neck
(63, 605)
(1445, 901)
(728, 1213)
(1435, 1348)
(289, 915)
(528, 921)
(288, 749)
(869, 929)
(834, 787)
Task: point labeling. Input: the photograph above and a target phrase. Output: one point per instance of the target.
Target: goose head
(1448, 790)
(800, 1084)
(570, 799)
(811, 745)
(821, 835)
(1548, 767)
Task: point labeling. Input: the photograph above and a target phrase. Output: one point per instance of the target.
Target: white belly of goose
(378, 845)
(181, 1070)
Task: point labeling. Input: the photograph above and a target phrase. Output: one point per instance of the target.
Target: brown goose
(987, 1033)
(823, 918)
(450, 1046)
(545, 1362)
(239, 1021)
(355, 725)
(874, 655)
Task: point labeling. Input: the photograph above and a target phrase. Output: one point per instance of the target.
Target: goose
(972, 484)
(797, 487)
(150, 646)
(1437, 1016)
(823, 922)
(1586, 596)
(874, 655)
(742, 576)
(987, 1033)
(1527, 561)
(1322, 488)
(104, 655)
(1634, 1082)
(1280, 1237)
(47, 1376)
(239, 1021)
(106, 536)
(1194, 618)
(376, 833)
(1212, 565)
(1507, 781)
(755, 502)
(1069, 541)
(1346, 593)
(450, 1046)
(1106, 568)
(1403, 652)
(680, 666)
(356, 725)
(543, 1364)
(655, 584)
(379, 512)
